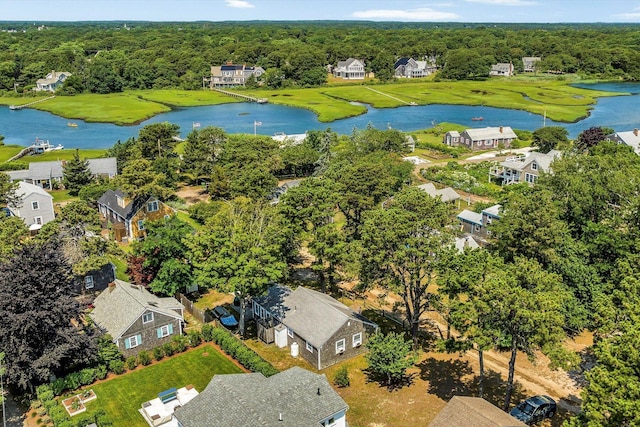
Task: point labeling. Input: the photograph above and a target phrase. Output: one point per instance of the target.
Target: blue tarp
(229, 321)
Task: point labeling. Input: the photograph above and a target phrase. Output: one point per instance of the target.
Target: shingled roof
(299, 397)
(473, 412)
(312, 315)
(446, 194)
(122, 303)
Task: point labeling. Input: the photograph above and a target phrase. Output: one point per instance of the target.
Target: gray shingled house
(96, 280)
(292, 398)
(35, 207)
(316, 326)
(45, 174)
(476, 224)
(473, 411)
(135, 318)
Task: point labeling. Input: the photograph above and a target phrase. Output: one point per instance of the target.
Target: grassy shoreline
(557, 99)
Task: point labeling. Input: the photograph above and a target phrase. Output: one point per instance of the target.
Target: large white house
(351, 69)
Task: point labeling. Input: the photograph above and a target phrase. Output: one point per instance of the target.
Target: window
(165, 331)
(309, 347)
(133, 341)
(140, 224)
(329, 423)
(534, 166)
(340, 344)
(357, 339)
(37, 220)
(152, 206)
(489, 220)
(290, 332)
(530, 178)
(88, 282)
(147, 317)
(476, 227)
(35, 205)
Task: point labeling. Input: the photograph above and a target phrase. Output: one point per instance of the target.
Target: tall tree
(403, 246)
(76, 174)
(139, 179)
(201, 152)
(12, 232)
(158, 139)
(589, 138)
(550, 138)
(242, 249)
(35, 293)
(8, 189)
(389, 356)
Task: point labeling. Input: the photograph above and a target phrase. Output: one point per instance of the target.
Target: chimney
(280, 417)
(500, 129)
(229, 62)
(318, 391)
(635, 131)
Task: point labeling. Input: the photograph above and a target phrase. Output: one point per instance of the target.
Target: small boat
(73, 125)
(477, 119)
(195, 125)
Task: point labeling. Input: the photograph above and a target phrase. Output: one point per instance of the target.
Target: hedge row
(238, 350)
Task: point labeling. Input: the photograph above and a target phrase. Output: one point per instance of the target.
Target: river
(22, 127)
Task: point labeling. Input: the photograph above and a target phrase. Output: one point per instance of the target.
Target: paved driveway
(14, 416)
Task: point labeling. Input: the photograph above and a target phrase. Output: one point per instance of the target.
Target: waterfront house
(529, 63)
(351, 69)
(476, 224)
(481, 139)
(630, 138)
(47, 174)
(35, 206)
(135, 318)
(53, 81)
(319, 328)
(524, 168)
(231, 75)
(292, 398)
(127, 216)
(410, 68)
(502, 69)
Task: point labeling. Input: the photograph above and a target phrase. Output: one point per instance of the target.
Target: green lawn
(121, 397)
(8, 151)
(62, 196)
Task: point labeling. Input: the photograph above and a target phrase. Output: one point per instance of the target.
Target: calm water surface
(24, 126)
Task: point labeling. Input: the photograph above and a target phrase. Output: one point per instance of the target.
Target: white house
(35, 206)
(630, 138)
(502, 69)
(351, 69)
(53, 81)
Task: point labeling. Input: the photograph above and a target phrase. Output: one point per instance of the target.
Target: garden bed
(75, 404)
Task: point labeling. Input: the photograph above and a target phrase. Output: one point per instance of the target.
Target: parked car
(226, 318)
(535, 409)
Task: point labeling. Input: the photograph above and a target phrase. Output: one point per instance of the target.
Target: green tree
(76, 174)
(201, 152)
(550, 138)
(12, 232)
(389, 356)
(8, 189)
(139, 179)
(242, 249)
(158, 139)
(403, 246)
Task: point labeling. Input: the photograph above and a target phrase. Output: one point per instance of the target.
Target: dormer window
(120, 201)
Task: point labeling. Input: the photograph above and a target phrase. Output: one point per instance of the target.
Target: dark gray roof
(312, 315)
(401, 61)
(54, 169)
(122, 303)
(473, 412)
(110, 200)
(242, 400)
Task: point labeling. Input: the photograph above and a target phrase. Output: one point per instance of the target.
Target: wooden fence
(203, 316)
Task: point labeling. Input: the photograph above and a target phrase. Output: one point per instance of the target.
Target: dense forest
(114, 56)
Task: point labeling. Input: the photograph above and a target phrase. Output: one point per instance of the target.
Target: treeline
(111, 57)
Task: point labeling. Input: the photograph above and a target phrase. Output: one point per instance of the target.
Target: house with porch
(488, 138)
(351, 69)
(47, 174)
(292, 398)
(52, 81)
(135, 318)
(529, 63)
(315, 326)
(35, 206)
(410, 68)
(231, 75)
(630, 138)
(476, 224)
(502, 69)
(524, 168)
(127, 216)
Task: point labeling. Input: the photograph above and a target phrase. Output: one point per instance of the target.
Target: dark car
(226, 318)
(535, 409)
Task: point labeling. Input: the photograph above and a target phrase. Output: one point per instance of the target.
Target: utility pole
(4, 410)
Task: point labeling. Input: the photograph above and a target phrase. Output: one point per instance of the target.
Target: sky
(491, 11)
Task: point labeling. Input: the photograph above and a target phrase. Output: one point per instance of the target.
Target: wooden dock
(239, 95)
(20, 107)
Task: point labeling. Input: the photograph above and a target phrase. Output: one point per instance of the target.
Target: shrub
(58, 386)
(168, 348)
(45, 419)
(73, 381)
(101, 372)
(207, 332)
(158, 353)
(49, 404)
(144, 358)
(44, 392)
(87, 376)
(41, 411)
(341, 378)
(179, 343)
(243, 354)
(117, 366)
(131, 362)
(194, 338)
(35, 404)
